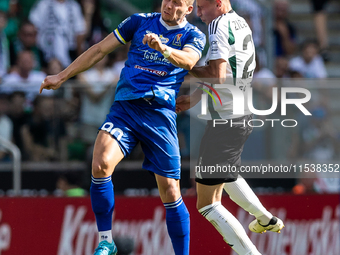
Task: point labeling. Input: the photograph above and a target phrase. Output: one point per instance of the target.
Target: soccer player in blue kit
(164, 46)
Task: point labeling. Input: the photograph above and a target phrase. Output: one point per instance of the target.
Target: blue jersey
(147, 73)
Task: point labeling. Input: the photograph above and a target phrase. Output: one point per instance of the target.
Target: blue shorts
(154, 126)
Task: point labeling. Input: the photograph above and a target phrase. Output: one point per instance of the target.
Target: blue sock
(178, 223)
(102, 199)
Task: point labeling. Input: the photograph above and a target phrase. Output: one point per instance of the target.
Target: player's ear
(218, 3)
(190, 9)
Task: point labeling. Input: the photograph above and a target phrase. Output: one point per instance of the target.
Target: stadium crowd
(39, 38)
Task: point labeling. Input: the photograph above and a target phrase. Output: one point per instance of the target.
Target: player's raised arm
(185, 58)
(215, 70)
(85, 61)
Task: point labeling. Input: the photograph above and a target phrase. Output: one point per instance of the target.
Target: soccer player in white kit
(231, 56)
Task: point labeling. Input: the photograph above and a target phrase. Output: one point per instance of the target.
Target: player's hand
(154, 42)
(182, 103)
(51, 82)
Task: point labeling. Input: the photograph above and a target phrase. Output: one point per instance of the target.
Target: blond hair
(189, 2)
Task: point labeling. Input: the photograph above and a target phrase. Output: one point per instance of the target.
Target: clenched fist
(154, 42)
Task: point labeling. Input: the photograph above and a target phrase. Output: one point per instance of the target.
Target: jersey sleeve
(219, 41)
(196, 41)
(125, 30)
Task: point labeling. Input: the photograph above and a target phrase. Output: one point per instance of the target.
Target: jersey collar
(181, 25)
(231, 11)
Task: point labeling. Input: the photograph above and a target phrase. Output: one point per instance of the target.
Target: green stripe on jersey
(231, 39)
(232, 62)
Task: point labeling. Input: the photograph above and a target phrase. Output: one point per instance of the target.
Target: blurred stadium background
(46, 140)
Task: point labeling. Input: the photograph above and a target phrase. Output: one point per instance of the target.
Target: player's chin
(205, 22)
(166, 17)
(167, 20)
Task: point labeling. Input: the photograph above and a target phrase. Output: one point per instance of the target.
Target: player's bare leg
(177, 215)
(106, 155)
(209, 205)
(169, 189)
(240, 192)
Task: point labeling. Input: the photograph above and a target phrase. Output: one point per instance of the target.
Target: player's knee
(101, 167)
(171, 193)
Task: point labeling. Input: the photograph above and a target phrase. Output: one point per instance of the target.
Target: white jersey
(230, 38)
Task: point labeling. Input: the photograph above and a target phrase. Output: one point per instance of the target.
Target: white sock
(105, 236)
(240, 192)
(230, 228)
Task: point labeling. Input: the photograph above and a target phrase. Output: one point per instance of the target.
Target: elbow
(191, 62)
(190, 65)
(98, 50)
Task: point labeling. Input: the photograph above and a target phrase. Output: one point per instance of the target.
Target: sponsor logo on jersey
(164, 40)
(177, 40)
(154, 57)
(214, 47)
(154, 71)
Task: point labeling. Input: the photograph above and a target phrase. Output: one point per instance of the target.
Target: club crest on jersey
(177, 40)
